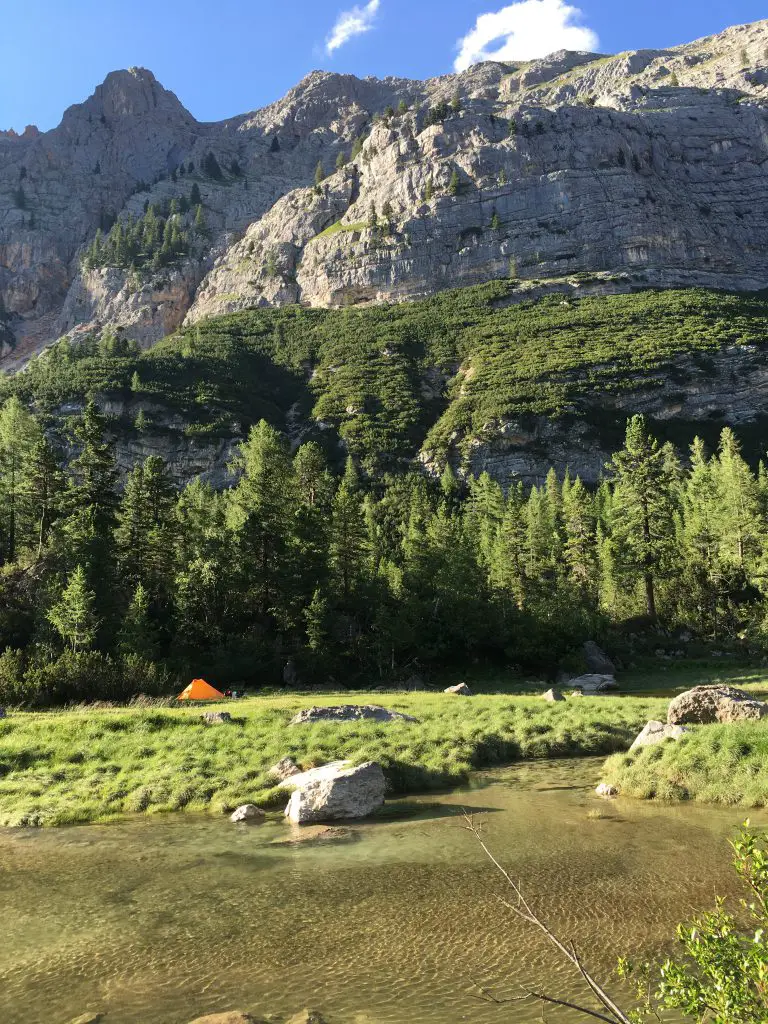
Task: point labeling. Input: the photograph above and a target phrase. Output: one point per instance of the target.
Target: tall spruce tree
(261, 513)
(642, 515)
(349, 546)
(19, 435)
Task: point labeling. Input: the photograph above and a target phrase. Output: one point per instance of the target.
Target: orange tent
(198, 689)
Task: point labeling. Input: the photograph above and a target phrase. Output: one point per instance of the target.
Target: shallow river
(158, 920)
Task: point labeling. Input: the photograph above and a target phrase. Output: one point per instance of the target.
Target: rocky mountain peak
(132, 93)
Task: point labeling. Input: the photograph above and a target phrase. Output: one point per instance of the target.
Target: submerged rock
(593, 682)
(307, 1017)
(336, 792)
(552, 695)
(657, 732)
(231, 1017)
(349, 713)
(461, 690)
(606, 789)
(704, 705)
(247, 812)
(284, 769)
(597, 660)
(88, 1018)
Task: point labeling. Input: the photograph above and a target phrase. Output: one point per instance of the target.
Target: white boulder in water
(337, 791)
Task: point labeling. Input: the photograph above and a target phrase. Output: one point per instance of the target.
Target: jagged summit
(131, 93)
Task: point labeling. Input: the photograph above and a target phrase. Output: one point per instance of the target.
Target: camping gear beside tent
(198, 689)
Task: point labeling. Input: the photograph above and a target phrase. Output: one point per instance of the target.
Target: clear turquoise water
(158, 920)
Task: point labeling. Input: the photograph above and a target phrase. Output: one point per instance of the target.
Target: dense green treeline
(392, 379)
(108, 592)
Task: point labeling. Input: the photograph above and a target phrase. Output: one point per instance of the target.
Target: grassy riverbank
(723, 764)
(88, 765)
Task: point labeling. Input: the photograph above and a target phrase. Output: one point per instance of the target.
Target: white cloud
(524, 31)
(350, 24)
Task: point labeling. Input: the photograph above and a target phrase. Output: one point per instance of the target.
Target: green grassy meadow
(86, 765)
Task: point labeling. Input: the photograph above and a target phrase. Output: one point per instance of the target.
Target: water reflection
(159, 920)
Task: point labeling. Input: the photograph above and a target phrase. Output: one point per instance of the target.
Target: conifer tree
(19, 433)
(510, 546)
(73, 616)
(138, 636)
(41, 493)
(642, 519)
(91, 500)
(483, 515)
(580, 549)
(349, 536)
(738, 517)
(260, 514)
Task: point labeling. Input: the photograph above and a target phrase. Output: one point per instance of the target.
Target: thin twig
(524, 911)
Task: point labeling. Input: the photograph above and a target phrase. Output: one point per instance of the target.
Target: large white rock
(335, 792)
(657, 732)
(704, 705)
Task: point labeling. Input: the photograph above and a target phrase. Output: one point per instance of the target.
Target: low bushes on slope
(386, 376)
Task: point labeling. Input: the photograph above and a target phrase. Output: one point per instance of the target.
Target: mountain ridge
(646, 164)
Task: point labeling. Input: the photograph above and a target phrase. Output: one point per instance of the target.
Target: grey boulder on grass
(593, 682)
(552, 695)
(349, 713)
(705, 705)
(597, 660)
(460, 690)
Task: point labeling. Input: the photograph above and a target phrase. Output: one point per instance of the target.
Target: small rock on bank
(705, 705)
(284, 769)
(552, 695)
(657, 732)
(605, 789)
(461, 690)
(349, 713)
(247, 812)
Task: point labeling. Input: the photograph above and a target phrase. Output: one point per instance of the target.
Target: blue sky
(224, 58)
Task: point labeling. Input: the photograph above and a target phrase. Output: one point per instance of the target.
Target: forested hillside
(342, 578)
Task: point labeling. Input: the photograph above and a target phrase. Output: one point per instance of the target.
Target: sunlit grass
(723, 764)
(87, 765)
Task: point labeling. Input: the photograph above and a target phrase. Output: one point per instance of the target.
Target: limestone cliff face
(649, 164)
